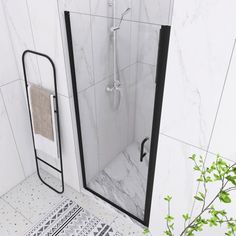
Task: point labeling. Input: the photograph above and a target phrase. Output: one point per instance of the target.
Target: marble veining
(123, 181)
(83, 55)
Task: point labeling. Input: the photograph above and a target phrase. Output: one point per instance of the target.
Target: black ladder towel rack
(37, 158)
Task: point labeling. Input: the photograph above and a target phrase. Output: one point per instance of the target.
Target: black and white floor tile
(30, 206)
(67, 219)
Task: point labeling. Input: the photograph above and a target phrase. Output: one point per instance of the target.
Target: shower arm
(114, 28)
(116, 83)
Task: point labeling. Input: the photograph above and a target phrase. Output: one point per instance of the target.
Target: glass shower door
(114, 85)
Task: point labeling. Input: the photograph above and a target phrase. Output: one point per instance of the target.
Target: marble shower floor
(124, 180)
(30, 201)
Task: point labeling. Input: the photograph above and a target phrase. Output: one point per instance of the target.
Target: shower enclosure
(118, 72)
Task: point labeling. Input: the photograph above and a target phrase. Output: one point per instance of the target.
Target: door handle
(142, 153)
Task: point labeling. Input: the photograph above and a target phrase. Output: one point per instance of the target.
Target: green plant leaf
(224, 197)
(169, 218)
(197, 168)
(146, 231)
(193, 157)
(234, 170)
(232, 179)
(217, 177)
(198, 198)
(217, 171)
(168, 198)
(202, 195)
(186, 216)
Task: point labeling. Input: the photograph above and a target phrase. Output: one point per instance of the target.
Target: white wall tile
(123, 44)
(145, 96)
(154, 11)
(11, 171)
(148, 43)
(68, 146)
(134, 42)
(112, 123)
(88, 121)
(18, 20)
(102, 47)
(103, 8)
(8, 69)
(224, 134)
(197, 64)
(14, 99)
(75, 5)
(174, 176)
(128, 87)
(47, 37)
(82, 46)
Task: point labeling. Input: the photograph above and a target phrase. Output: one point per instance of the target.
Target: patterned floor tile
(127, 226)
(35, 201)
(12, 223)
(94, 205)
(32, 198)
(70, 219)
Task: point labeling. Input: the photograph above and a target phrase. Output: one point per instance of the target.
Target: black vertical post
(160, 84)
(75, 94)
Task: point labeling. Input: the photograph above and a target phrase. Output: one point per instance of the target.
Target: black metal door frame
(160, 82)
(37, 159)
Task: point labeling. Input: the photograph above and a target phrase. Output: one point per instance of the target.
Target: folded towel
(41, 111)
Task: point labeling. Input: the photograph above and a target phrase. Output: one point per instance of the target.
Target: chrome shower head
(121, 19)
(125, 12)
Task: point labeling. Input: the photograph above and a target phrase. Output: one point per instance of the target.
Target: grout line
(117, 18)
(8, 83)
(10, 36)
(10, 205)
(33, 38)
(128, 96)
(113, 221)
(226, 158)
(136, 71)
(62, 95)
(214, 123)
(21, 182)
(145, 63)
(94, 91)
(184, 142)
(197, 147)
(106, 78)
(170, 15)
(17, 149)
(221, 96)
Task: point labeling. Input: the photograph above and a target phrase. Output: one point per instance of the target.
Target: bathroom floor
(31, 202)
(124, 180)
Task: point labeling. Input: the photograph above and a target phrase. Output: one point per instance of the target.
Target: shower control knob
(115, 86)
